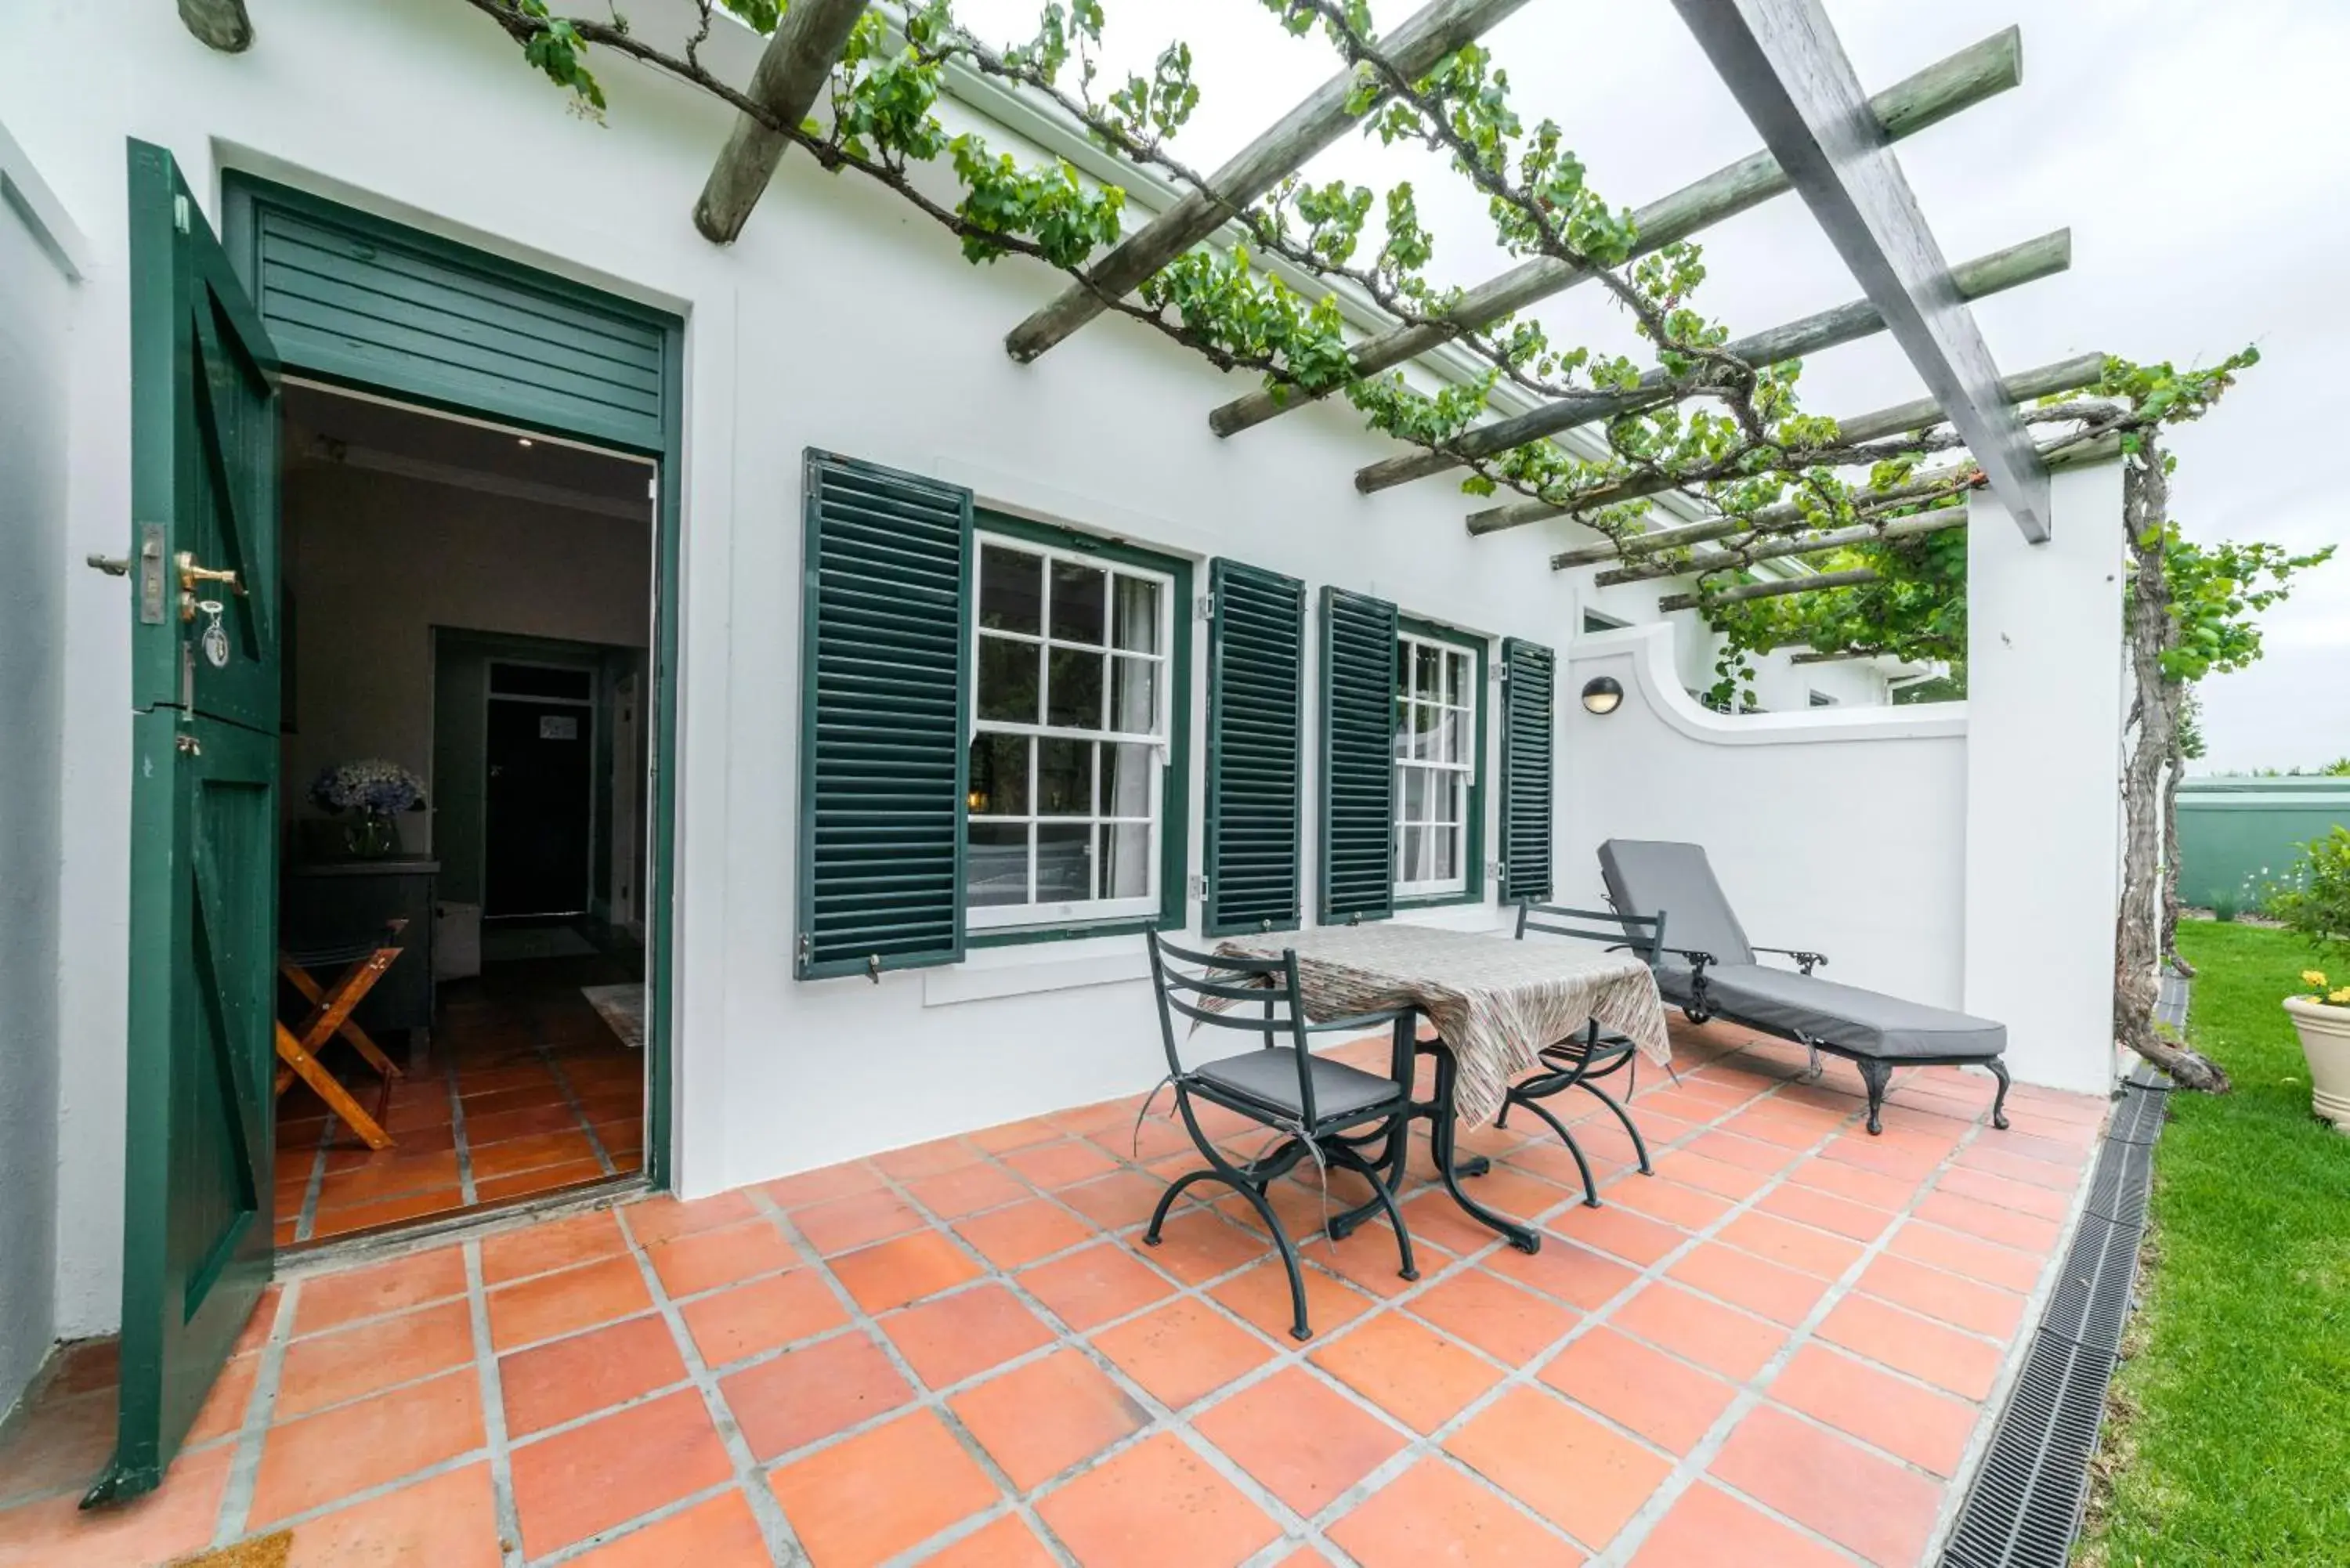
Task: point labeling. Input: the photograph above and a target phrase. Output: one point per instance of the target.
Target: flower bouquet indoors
(375, 791)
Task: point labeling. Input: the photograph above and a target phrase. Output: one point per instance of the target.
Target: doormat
(622, 1007)
(509, 943)
(269, 1551)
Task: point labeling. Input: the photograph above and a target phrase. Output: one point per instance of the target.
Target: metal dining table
(1495, 1004)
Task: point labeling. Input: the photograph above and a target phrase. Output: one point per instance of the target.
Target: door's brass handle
(191, 575)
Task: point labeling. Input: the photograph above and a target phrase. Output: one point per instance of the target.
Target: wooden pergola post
(798, 59)
(220, 24)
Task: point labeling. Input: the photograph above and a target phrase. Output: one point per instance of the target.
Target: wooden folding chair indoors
(331, 1014)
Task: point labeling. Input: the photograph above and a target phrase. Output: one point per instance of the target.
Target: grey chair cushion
(1269, 1077)
(1866, 1023)
(1646, 875)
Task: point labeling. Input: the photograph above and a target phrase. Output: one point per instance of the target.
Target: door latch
(191, 575)
(188, 746)
(113, 566)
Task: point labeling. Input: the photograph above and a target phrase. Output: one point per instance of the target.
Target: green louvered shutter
(1358, 674)
(885, 698)
(1528, 672)
(1256, 648)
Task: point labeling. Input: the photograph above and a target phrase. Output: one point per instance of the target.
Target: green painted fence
(2235, 833)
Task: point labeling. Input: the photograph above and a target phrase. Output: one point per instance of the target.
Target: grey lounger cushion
(1270, 1078)
(1866, 1023)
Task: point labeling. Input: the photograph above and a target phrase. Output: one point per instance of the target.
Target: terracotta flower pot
(2325, 1041)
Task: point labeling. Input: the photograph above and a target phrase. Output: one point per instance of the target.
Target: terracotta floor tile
(1560, 1462)
(176, 1519)
(548, 1179)
(1628, 1236)
(1958, 1253)
(1926, 1428)
(1301, 1439)
(704, 1259)
(662, 1218)
(1714, 1175)
(917, 1160)
(1887, 1192)
(1923, 1348)
(518, 1155)
(1261, 1296)
(1431, 1215)
(1199, 1245)
(953, 1193)
(906, 1270)
(1062, 1164)
(2029, 1197)
(550, 1244)
(546, 1305)
(557, 1382)
(2015, 1167)
(720, 1533)
(1019, 1134)
(1869, 1504)
(965, 1333)
(1015, 1237)
(223, 1410)
(1038, 1420)
(384, 1211)
(1087, 1288)
(86, 1365)
(1183, 1351)
(1510, 1324)
(412, 1172)
(61, 1443)
(1155, 1138)
(1980, 1308)
(1797, 1247)
(1826, 1212)
(1368, 1258)
(1908, 1164)
(1006, 1543)
(449, 1521)
(1669, 1201)
(1157, 1505)
(730, 1324)
(1408, 1369)
(364, 1444)
(1668, 1402)
(865, 1501)
(330, 1300)
(845, 1224)
(1434, 1513)
(823, 1184)
(1115, 1201)
(1575, 1275)
(328, 1368)
(1728, 1342)
(813, 1392)
(1744, 1280)
(1691, 1533)
(532, 1125)
(568, 1486)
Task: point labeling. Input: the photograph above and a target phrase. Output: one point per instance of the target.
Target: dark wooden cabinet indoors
(339, 903)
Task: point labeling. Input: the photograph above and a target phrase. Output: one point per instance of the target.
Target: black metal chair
(1324, 1107)
(1582, 1058)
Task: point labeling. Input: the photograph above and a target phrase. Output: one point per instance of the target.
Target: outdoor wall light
(1602, 695)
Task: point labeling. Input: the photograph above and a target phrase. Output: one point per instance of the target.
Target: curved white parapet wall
(1839, 829)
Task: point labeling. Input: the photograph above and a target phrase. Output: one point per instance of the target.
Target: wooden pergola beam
(2045, 380)
(1958, 82)
(1858, 577)
(798, 59)
(219, 24)
(1430, 35)
(1933, 522)
(2017, 264)
(1782, 60)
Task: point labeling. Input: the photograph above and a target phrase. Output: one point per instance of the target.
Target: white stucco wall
(1838, 829)
(39, 252)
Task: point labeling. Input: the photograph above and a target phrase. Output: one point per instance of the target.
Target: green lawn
(2229, 1442)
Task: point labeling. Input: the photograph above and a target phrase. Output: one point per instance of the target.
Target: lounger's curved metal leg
(1878, 1076)
(1812, 1073)
(1386, 1200)
(1639, 1145)
(1590, 1188)
(1998, 1106)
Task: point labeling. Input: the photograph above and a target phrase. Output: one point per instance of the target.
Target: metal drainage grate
(2024, 1506)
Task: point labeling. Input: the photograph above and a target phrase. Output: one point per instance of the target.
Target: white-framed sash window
(1436, 764)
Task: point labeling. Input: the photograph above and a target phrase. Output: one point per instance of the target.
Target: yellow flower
(2315, 977)
(2342, 995)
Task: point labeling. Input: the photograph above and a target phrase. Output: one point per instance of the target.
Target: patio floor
(1776, 1352)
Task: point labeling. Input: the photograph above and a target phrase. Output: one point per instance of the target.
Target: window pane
(1080, 602)
(1415, 794)
(1427, 677)
(1137, 618)
(1011, 590)
(1402, 727)
(1125, 780)
(1065, 778)
(1453, 739)
(1423, 731)
(1442, 853)
(1134, 695)
(1073, 698)
(1064, 857)
(1415, 848)
(1456, 680)
(995, 870)
(1443, 797)
(1125, 861)
(1007, 679)
(998, 775)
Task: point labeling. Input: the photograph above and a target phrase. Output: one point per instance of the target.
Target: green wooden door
(203, 847)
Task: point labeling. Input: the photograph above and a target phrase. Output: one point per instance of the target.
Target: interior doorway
(471, 615)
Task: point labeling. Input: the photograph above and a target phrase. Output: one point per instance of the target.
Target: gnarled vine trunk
(2138, 942)
(2169, 947)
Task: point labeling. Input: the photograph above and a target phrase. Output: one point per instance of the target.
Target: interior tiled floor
(527, 1090)
(1776, 1351)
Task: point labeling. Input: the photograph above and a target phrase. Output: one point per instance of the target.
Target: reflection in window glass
(1079, 601)
(1011, 590)
(1007, 681)
(1138, 614)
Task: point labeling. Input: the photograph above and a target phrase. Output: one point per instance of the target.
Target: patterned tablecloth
(1496, 1002)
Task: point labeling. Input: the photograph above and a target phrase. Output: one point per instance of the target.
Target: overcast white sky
(2198, 151)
